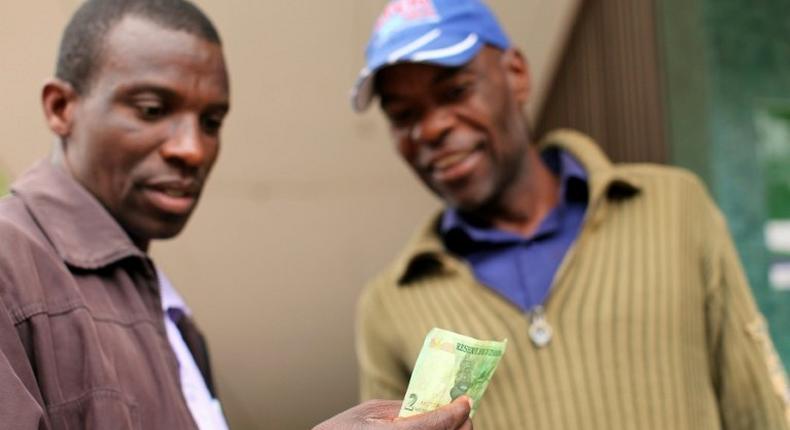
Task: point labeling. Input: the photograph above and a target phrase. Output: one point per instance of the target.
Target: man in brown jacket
(92, 335)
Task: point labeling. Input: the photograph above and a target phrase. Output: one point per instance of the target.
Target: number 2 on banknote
(411, 402)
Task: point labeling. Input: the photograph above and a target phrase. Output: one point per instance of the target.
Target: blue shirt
(519, 268)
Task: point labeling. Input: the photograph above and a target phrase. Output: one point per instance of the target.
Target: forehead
(413, 78)
(416, 78)
(137, 49)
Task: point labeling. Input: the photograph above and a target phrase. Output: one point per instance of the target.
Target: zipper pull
(539, 329)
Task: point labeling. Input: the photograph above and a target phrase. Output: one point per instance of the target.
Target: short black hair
(84, 36)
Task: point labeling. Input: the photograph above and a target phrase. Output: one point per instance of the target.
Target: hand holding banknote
(381, 415)
(450, 365)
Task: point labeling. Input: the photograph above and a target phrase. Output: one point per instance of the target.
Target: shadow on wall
(4, 182)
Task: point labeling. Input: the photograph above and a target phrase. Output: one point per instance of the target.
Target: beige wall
(307, 201)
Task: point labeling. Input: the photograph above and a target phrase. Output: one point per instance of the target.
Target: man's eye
(211, 124)
(455, 93)
(402, 118)
(151, 111)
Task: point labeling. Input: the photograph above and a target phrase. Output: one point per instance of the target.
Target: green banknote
(449, 366)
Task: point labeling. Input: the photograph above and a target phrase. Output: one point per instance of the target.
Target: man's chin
(465, 203)
(470, 196)
(169, 231)
(141, 235)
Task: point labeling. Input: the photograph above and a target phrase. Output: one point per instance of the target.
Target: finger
(451, 417)
(467, 425)
(384, 410)
(364, 416)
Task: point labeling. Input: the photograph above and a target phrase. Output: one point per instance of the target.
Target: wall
(727, 62)
(307, 201)
(609, 82)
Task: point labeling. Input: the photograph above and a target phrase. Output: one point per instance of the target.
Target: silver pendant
(539, 329)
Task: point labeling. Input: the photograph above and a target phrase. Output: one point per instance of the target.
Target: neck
(522, 207)
(141, 244)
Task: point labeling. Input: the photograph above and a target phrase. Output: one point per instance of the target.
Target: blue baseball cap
(443, 32)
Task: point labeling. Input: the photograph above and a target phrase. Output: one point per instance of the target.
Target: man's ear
(518, 76)
(59, 100)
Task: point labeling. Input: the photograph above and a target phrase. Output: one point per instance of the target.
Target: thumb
(450, 417)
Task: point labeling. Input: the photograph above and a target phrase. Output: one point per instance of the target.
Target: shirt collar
(171, 299)
(569, 168)
(80, 229)
(605, 180)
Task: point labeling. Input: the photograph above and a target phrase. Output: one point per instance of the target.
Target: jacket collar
(606, 181)
(80, 229)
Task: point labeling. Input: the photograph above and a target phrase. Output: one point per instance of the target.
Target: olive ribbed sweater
(654, 323)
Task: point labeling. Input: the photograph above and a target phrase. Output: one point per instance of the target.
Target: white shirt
(205, 409)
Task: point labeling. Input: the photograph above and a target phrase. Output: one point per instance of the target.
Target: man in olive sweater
(617, 286)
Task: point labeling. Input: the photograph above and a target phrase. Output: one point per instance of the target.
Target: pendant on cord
(539, 329)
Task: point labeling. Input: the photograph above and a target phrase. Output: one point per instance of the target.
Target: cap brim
(447, 51)
(362, 92)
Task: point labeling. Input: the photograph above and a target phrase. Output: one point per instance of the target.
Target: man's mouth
(455, 165)
(175, 193)
(174, 197)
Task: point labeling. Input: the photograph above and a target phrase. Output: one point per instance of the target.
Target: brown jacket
(82, 338)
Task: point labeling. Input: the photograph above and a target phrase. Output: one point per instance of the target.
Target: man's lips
(454, 165)
(177, 197)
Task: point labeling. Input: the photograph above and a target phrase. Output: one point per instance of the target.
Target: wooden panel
(608, 84)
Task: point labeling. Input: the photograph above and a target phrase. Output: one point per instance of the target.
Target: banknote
(450, 365)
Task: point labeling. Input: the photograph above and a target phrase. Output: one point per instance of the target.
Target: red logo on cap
(408, 11)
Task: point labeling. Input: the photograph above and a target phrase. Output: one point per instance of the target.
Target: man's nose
(187, 145)
(434, 126)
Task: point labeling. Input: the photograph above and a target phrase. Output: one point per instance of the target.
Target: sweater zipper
(540, 331)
